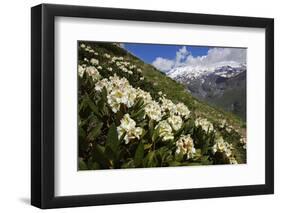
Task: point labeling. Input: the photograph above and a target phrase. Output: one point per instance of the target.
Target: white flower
(109, 69)
(243, 141)
(81, 70)
(101, 84)
(107, 55)
(182, 110)
(222, 146)
(175, 121)
(93, 72)
(139, 70)
(205, 124)
(232, 160)
(96, 53)
(85, 59)
(119, 91)
(144, 95)
(83, 46)
(94, 61)
(219, 145)
(165, 130)
(185, 145)
(132, 67)
(127, 123)
(228, 129)
(141, 78)
(130, 72)
(167, 104)
(99, 68)
(128, 127)
(153, 111)
(222, 123)
(115, 98)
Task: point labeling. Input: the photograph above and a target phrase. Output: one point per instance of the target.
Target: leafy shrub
(127, 122)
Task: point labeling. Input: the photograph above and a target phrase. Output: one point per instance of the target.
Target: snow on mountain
(221, 84)
(223, 69)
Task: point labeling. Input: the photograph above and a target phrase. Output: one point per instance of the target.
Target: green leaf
(139, 154)
(92, 164)
(129, 164)
(92, 106)
(174, 163)
(82, 165)
(82, 133)
(112, 138)
(95, 132)
(111, 156)
(100, 158)
(147, 146)
(179, 156)
(150, 160)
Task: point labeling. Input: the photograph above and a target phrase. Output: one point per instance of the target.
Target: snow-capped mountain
(193, 72)
(222, 85)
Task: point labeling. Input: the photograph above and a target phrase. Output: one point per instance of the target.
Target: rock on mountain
(221, 86)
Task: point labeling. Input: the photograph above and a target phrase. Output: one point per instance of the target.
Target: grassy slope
(175, 91)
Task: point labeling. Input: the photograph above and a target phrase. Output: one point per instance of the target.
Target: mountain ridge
(217, 85)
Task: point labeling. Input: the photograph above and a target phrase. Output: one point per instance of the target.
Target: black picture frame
(43, 102)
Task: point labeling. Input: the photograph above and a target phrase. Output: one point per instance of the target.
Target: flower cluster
(185, 146)
(205, 124)
(224, 147)
(175, 121)
(153, 111)
(107, 56)
(243, 141)
(114, 59)
(88, 49)
(94, 61)
(165, 130)
(119, 91)
(90, 70)
(174, 109)
(129, 129)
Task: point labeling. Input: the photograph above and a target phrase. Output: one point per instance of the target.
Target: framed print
(140, 106)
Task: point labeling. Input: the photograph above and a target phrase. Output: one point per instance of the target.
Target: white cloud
(215, 57)
(181, 54)
(163, 64)
(218, 56)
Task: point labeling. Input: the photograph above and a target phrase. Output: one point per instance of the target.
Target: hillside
(109, 60)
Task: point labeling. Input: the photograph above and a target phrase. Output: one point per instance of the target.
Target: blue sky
(169, 57)
(149, 52)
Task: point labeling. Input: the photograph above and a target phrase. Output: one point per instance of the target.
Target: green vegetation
(119, 133)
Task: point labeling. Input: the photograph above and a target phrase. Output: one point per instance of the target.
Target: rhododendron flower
(128, 127)
(153, 111)
(165, 130)
(182, 110)
(175, 121)
(93, 72)
(94, 61)
(185, 145)
(81, 70)
(205, 124)
(106, 55)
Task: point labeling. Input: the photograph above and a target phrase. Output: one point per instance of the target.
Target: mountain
(222, 86)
